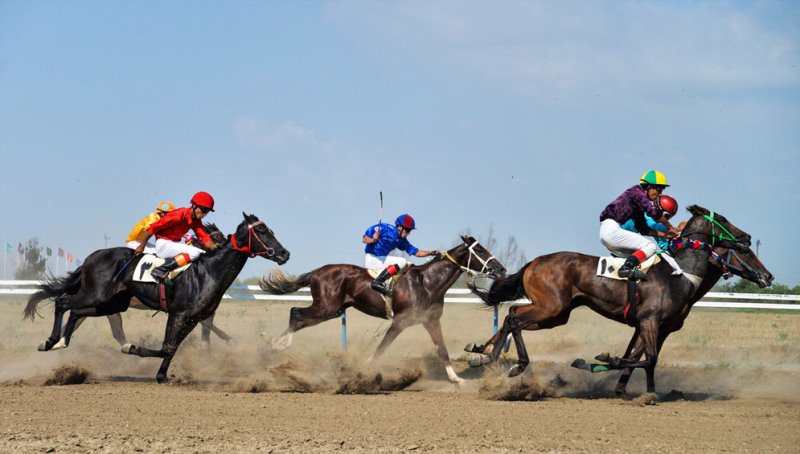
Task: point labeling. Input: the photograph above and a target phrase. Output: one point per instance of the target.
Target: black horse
(418, 295)
(96, 289)
(207, 326)
(557, 283)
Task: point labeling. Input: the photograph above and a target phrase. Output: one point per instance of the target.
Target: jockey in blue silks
(381, 240)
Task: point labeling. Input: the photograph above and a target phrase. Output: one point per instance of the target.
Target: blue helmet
(406, 221)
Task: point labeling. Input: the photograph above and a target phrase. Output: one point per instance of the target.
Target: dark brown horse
(105, 284)
(418, 295)
(557, 283)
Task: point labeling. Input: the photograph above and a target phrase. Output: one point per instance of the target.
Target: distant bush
(743, 286)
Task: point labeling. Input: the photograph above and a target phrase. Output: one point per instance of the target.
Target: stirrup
(380, 287)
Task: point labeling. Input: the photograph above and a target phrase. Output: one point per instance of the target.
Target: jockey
(381, 239)
(634, 203)
(169, 231)
(670, 207)
(139, 231)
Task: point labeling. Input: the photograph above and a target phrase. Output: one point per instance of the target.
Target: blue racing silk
(663, 243)
(389, 240)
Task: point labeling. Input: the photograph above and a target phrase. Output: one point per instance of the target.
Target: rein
(467, 269)
(267, 252)
(724, 235)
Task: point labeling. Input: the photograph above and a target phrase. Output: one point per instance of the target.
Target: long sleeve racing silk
(174, 224)
(389, 240)
(139, 231)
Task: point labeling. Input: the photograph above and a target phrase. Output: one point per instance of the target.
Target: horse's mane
(214, 232)
(697, 210)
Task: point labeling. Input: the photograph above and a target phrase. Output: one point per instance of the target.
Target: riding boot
(380, 285)
(161, 272)
(629, 269)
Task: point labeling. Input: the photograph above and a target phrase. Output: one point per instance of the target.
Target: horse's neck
(441, 275)
(696, 262)
(225, 264)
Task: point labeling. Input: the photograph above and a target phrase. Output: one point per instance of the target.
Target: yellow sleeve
(139, 231)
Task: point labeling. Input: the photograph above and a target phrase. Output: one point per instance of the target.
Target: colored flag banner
(21, 249)
(49, 252)
(70, 257)
(9, 247)
(60, 252)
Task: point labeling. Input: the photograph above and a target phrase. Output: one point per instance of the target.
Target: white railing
(460, 295)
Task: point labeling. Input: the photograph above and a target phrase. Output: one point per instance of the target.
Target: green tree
(32, 264)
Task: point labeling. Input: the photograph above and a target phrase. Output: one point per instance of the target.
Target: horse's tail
(278, 283)
(52, 289)
(508, 288)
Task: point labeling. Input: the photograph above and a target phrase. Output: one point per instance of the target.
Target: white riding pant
(149, 248)
(168, 249)
(377, 262)
(623, 242)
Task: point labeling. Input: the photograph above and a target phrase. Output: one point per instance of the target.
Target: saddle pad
(608, 266)
(149, 262)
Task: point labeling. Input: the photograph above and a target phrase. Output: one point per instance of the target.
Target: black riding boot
(380, 285)
(161, 272)
(629, 268)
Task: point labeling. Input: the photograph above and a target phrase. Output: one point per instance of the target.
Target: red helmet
(406, 221)
(203, 199)
(668, 204)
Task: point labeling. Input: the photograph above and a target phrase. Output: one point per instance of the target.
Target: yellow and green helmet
(654, 177)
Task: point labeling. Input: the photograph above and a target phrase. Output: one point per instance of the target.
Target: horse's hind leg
(397, 326)
(322, 309)
(115, 321)
(55, 334)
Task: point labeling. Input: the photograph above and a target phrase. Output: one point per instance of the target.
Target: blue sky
(523, 117)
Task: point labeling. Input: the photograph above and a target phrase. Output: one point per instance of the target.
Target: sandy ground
(729, 381)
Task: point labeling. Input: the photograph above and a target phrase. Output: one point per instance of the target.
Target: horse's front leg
(522, 352)
(434, 328)
(178, 327)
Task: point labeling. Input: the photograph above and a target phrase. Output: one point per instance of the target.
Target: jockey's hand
(211, 245)
(139, 249)
(672, 234)
(376, 235)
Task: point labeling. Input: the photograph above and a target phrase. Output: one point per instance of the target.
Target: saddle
(149, 262)
(143, 273)
(610, 265)
(373, 273)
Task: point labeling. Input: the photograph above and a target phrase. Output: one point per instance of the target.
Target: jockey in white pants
(139, 231)
(382, 239)
(633, 204)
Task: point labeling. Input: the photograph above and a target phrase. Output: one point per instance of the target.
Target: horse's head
(471, 255)
(255, 238)
(730, 245)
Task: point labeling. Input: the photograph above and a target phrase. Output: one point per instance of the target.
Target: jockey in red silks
(382, 239)
(634, 203)
(139, 231)
(170, 229)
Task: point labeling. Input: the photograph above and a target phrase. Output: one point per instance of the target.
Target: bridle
(725, 259)
(472, 253)
(724, 234)
(267, 252)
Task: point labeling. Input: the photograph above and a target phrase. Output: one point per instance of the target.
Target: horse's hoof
(45, 346)
(477, 362)
(62, 343)
(162, 379)
(127, 348)
(205, 346)
(581, 364)
(475, 348)
(515, 370)
(232, 343)
(605, 357)
(458, 381)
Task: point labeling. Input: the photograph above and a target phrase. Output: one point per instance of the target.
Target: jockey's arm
(140, 248)
(421, 253)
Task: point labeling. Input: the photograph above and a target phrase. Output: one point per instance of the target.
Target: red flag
(70, 257)
(60, 252)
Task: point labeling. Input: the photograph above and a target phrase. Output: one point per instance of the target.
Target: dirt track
(737, 375)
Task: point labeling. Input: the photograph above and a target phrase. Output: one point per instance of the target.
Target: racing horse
(557, 283)
(418, 295)
(92, 290)
(207, 325)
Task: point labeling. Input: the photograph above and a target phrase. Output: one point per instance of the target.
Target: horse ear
(697, 210)
(464, 239)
